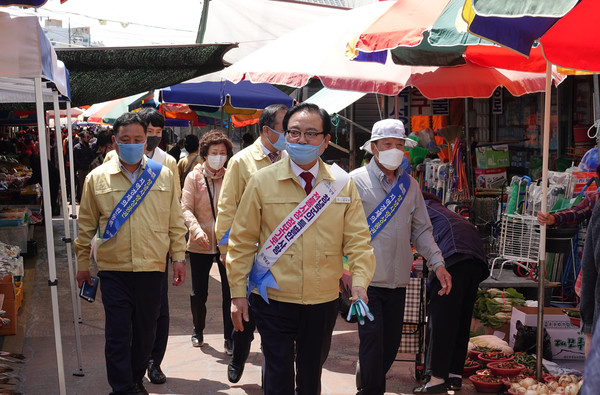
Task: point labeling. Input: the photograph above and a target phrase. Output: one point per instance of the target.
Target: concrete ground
(189, 370)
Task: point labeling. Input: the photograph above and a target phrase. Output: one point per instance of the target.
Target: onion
(571, 389)
(528, 382)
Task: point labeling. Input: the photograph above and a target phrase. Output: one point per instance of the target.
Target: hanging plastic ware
(589, 162)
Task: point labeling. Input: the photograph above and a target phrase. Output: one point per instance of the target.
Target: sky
(134, 22)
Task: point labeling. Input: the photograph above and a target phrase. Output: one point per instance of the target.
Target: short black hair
(309, 107)
(128, 118)
(267, 116)
(104, 138)
(152, 116)
(191, 143)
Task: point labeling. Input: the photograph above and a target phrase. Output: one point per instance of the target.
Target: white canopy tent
(31, 73)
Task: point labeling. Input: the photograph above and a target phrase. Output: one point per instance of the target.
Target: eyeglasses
(309, 136)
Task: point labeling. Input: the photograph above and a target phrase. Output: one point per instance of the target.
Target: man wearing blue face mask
(137, 235)
(303, 215)
(396, 214)
(267, 149)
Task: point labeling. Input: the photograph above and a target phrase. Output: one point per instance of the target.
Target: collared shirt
(309, 270)
(410, 223)
(297, 171)
(132, 176)
(153, 229)
(157, 154)
(239, 170)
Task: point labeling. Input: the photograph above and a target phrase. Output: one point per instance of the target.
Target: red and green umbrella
(108, 112)
(565, 29)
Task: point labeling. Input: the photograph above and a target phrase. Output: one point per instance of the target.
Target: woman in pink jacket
(199, 200)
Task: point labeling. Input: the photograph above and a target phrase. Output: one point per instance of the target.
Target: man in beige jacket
(302, 308)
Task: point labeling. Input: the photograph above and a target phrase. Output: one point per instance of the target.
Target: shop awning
(103, 74)
(334, 100)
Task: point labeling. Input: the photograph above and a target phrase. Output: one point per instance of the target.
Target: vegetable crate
(519, 243)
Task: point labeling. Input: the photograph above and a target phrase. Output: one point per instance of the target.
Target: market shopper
(449, 316)
(83, 156)
(131, 258)
(589, 305)
(185, 165)
(300, 264)
(265, 150)
(384, 180)
(104, 145)
(199, 204)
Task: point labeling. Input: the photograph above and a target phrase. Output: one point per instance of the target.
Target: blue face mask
(303, 154)
(279, 145)
(131, 153)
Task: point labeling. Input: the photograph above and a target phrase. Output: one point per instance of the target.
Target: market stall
(30, 72)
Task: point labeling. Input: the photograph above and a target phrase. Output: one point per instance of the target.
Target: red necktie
(308, 177)
(273, 156)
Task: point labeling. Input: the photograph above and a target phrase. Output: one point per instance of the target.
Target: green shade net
(101, 74)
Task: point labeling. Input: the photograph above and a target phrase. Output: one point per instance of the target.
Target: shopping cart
(414, 323)
(519, 234)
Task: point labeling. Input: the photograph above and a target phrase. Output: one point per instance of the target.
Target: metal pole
(69, 245)
(52, 281)
(544, 208)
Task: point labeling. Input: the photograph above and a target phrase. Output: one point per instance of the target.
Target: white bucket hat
(388, 128)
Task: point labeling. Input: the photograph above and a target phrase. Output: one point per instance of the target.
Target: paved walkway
(189, 370)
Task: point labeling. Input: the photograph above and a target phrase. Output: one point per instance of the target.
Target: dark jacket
(83, 155)
(456, 236)
(590, 273)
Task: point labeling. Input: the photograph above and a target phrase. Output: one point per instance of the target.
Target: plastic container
(485, 386)
(498, 371)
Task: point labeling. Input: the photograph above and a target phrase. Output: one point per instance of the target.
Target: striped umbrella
(108, 112)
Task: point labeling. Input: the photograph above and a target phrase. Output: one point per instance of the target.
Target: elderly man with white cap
(397, 215)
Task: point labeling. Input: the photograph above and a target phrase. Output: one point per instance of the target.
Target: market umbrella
(566, 32)
(317, 51)
(428, 34)
(108, 112)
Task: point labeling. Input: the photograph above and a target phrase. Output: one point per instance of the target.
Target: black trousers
(280, 325)
(200, 265)
(162, 324)
(131, 307)
(380, 338)
(242, 341)
(449, 319)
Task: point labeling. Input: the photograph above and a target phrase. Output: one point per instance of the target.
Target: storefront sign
(497, 101)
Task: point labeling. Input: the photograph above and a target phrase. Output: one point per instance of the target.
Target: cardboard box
(480, 329)
(567, 343)
(554, 318)
(492, 157)
(9, 305)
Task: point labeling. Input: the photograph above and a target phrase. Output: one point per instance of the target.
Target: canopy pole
(597, 109)
(52, 281)
(544, 209)
(69, 242)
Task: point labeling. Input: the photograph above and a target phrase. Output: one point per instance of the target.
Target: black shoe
(197, 340)
(138, 388)
(156, 375)
(434, 389)
(454, 383)
(228, 346)
(234, 372)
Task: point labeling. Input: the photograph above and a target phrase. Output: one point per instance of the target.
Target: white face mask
(216, 162)
(390, 159)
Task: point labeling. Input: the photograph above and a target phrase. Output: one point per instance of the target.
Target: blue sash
(132, 198)
(225, 239)
(382, 214)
